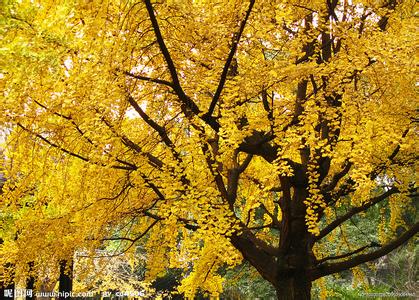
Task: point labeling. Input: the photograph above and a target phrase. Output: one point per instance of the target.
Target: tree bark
(294, 287)
(295, 257)
(65, 285)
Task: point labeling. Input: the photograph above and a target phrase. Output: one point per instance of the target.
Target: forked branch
(188, 106)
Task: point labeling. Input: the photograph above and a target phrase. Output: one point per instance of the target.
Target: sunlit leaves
(317, 107)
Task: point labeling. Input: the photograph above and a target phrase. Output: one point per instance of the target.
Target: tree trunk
(30, 283)
(295, 287)
(65, 285)
(295, 256)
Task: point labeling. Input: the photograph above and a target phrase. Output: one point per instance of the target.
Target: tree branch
(159, 129)
(145, 78)
(275, 220)
(153, 160)
(245, 163)
(328, 269)
(54, 145)
(69, 118)
(162, 133)
(329, 228)
(230, 57)
(338, 176)
(391, 158)
(262, 261)
(128, 239)
(187, 105)
(373, 244)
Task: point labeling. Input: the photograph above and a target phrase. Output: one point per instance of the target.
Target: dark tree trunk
(296, 287)
(65, 285)
(296, 257)
(30, 282)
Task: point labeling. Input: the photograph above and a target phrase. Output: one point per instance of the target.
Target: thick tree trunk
(295, 257)
(65, 285)
(295, 287)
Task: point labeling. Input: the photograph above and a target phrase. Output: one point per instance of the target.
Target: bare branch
(127, 239)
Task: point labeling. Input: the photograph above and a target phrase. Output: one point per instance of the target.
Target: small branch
(215, 172)
(372, 245)
(268, 108)
(305, 7)
(379, 168)
(338, 176)
(275, 221)
(145, 78)
(151, 185)
(145, 231)
(118, 238)
(127, 186)
(126, 239)
(53, 144)
(209, 270)
(69, 118)
(270, 225)
(230, 57)
(162, 133)
(186, 223)
(371, 202)
(128, 166)
(154, 161)
(397, 149)
(159, 129)
(245, 163)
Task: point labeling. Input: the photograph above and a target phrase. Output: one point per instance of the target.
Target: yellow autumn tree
(208, 131)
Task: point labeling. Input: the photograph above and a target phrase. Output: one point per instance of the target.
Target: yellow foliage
(203, 131)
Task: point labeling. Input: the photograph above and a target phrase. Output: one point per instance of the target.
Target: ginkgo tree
(209, 132)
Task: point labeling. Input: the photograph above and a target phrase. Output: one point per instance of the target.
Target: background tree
(211, 132)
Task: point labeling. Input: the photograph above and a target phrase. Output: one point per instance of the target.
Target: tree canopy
(208, 132)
